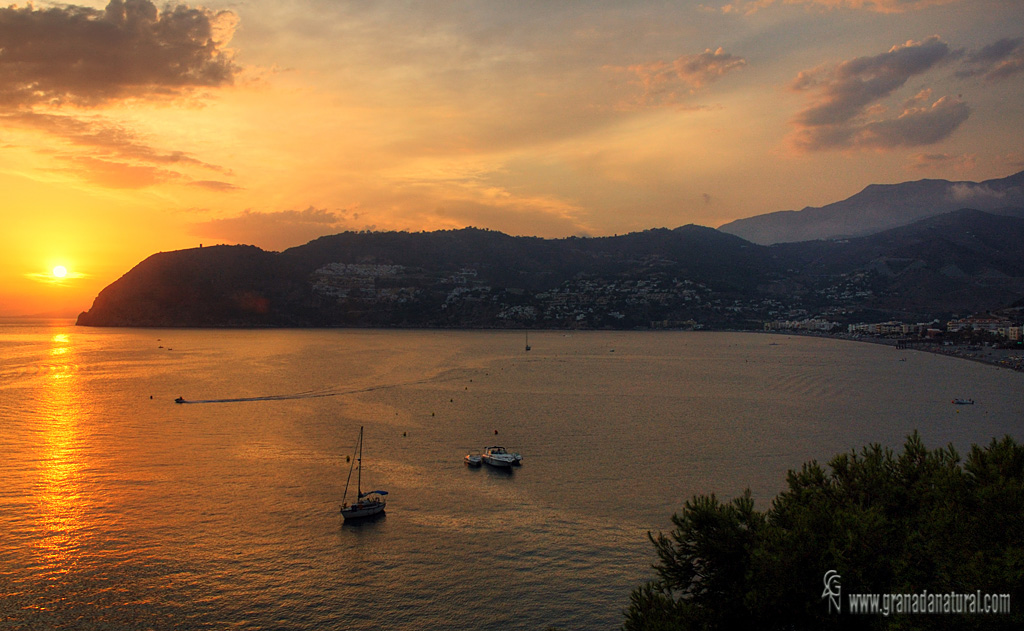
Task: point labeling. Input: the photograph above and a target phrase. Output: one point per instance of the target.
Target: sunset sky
(130, 128)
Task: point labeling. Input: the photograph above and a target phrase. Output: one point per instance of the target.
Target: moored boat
(371, 503)
(963, 401)
(366, 504)
(498, 457)
(473, 460)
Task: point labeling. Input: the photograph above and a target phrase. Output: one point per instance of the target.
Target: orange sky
(130, 129)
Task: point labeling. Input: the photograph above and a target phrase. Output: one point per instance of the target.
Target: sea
(122, 510)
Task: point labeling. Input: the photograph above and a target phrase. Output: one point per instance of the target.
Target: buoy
(495, 432)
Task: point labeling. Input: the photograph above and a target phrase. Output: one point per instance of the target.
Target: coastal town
(663, 301)
(991, 340)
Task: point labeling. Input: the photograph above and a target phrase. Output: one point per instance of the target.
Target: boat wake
(310, 394)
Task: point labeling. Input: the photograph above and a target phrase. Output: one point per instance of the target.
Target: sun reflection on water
(58, 492)
(60, 344)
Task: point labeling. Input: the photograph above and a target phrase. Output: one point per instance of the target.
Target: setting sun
(60, 271)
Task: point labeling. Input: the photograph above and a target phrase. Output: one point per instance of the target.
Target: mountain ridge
(880, 207)
(963, 261)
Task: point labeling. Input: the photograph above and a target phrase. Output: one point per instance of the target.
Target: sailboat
(366, 504)
(527, 340)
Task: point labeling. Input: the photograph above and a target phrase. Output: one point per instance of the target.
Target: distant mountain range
(882, 207)
(955, 263)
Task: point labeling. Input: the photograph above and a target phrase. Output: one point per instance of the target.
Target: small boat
(179, 400)
(498, 457)
(473, 460)
(963, 401)
(527, 340)
(366, 504)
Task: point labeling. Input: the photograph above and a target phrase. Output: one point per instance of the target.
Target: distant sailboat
(366, 504)
(527, 340)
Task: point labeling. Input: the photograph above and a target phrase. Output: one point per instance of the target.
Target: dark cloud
(666, 82)
(916, 126)
(84, 56)
(846, 101)
(845, 91)
(999, 60)
(79, 56)
(273, 230)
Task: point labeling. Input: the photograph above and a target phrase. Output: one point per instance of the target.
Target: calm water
(122, 510)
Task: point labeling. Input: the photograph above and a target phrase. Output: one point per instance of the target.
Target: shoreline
(997, 357)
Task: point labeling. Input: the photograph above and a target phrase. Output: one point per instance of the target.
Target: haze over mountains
(956, 263)
(881, 207)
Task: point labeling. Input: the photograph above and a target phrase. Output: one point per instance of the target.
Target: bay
(121, 509)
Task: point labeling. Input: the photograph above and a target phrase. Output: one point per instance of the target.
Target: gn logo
(832, 591)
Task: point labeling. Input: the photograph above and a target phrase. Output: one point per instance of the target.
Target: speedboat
(963, 401)
(473, 460)
(498, 457)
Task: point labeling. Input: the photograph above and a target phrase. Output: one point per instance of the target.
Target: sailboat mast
(359, 477)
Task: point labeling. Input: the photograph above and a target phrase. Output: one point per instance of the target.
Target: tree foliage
(920, 521)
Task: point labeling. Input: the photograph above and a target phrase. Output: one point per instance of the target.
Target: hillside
(882, 207)
(960, 262)
(465, 277)
(964, 261)
(213, 286)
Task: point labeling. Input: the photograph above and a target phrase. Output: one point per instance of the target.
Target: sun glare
(60, 271)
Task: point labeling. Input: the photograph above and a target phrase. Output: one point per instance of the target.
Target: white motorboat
(473, 460)
(366, 504)
(498, 457)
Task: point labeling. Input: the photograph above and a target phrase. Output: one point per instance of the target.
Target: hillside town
(661, 301)
(686, 278)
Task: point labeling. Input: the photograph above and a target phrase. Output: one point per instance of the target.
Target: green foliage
(888, 524)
